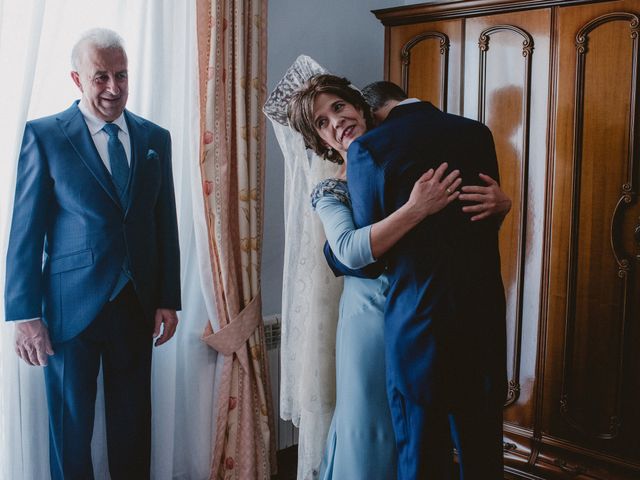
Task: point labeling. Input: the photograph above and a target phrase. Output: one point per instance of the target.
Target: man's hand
(32, 342)
(490, 200)
(169, 320)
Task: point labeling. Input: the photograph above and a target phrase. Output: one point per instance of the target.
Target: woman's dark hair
(300, 110)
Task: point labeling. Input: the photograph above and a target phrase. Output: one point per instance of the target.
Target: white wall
(347, 39)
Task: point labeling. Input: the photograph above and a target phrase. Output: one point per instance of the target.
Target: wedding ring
(448, 190)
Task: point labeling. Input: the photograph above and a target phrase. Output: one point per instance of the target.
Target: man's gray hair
(97, 37)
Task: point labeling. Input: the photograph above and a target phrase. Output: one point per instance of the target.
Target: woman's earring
(330, 152)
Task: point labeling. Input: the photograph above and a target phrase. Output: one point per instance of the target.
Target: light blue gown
(361, 443)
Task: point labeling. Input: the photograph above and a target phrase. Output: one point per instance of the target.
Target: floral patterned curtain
(232, 67)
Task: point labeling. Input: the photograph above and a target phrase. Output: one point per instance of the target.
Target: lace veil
(310, 293)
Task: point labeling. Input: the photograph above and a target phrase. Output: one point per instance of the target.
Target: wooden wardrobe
(557, 82)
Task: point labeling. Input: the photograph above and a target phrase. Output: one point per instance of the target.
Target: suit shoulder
(46, 126)
(153, 127)
(47, 121)
(430, 113)
(467, 123)
(37, 122)
(372, 138)
(64, 115)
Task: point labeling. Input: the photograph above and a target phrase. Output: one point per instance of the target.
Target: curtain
(232, 66)
(23, 408)
(36, 37)
(310, 293)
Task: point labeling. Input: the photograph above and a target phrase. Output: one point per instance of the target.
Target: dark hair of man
(301, 114)
(378, 93)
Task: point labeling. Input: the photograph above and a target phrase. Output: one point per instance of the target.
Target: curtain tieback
(234, 335)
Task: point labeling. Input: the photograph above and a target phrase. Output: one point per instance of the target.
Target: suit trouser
(425, 435)
(120, 338)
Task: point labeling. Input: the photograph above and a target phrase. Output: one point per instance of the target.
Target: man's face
(103, 80)
(377, 118)
(337, 121)
(380, 114)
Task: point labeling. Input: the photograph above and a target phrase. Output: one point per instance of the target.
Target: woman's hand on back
(431, 193)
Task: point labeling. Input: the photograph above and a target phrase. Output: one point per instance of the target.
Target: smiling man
(93, 262)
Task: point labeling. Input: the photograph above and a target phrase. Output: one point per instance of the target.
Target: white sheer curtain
(36, 37)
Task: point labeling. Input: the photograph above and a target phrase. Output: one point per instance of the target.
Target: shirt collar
(95, 124)
(406, 101)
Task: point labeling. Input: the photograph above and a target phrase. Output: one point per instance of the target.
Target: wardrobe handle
(625, 199)
(565, 467)
(509, 446)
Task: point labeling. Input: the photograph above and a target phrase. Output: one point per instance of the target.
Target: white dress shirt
(409, 100)
(100, 137)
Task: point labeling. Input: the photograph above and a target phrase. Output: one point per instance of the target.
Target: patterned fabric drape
(232, 66)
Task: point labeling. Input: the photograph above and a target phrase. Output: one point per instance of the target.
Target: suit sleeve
(489, 166)
(365, 178)
(366, 185)
(490, 160)
(32, 201)
(167, 224)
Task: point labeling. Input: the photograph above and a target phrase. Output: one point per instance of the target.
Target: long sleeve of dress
(351, 245)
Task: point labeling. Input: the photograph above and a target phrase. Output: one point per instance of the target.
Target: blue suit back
(445, 312)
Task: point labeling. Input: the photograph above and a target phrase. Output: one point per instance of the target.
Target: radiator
(286, 433)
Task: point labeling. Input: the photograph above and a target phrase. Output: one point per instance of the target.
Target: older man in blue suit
(93, 262)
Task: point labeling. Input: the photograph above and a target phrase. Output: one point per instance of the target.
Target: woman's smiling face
(337, 122)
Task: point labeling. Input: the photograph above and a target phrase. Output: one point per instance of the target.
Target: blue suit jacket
(445, 312)
(70, 235)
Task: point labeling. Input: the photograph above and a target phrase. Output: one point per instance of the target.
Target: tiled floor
(287, 464)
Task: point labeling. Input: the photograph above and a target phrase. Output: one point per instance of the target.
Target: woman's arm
(430, 194)
(358, 247)
(350, 245)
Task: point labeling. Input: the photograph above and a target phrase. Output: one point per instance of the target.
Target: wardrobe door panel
(592, 388)
(506, 87)
(558, 84)
(425, 61)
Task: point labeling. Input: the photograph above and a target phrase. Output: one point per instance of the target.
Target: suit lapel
(139, 136)
(75, 128)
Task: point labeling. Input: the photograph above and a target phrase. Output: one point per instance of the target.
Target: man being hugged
(444, 335)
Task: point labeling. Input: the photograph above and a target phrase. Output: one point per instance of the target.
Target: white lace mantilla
(310, 293)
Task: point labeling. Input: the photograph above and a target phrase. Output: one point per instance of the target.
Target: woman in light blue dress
(361, 440)
(361, 443)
